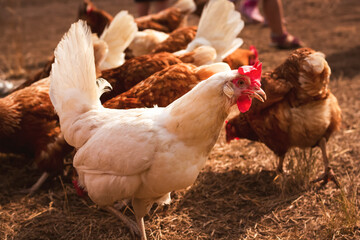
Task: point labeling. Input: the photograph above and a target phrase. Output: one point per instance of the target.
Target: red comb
(254, 50)
(253, 72)
(253, 60)
(81, 192)
(89, 9)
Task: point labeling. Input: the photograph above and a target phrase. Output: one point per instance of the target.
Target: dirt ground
(237, 195)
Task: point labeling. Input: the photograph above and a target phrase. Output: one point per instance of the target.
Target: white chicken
(139, 154)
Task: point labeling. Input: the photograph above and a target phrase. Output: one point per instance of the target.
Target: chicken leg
(134, 229)
(141, 208)
(123, 204)
(30, 191)
(328, 175)
(279, 168)
(141, 225)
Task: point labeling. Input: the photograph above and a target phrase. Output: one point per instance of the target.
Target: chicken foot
(328, 175)
(140, 222)
(279, 168)
(141, 208)
(133, 227)
(30, 191)
(120, 205)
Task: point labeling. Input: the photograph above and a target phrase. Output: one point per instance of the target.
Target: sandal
(249, 9)
(285, 41)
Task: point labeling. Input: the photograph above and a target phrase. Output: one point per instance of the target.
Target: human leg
(280, 38)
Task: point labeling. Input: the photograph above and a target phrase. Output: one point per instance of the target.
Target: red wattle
(79, 190)
(244, 104)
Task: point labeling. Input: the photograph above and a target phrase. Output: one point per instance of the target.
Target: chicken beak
(259, 94)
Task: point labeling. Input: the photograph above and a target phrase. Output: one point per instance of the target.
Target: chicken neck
(197, 117)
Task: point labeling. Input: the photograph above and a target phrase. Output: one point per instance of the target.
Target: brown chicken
(96, 18)
(165, 86)
(300, 110)
(29, 126)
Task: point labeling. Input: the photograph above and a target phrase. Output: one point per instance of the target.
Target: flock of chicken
(148, 128)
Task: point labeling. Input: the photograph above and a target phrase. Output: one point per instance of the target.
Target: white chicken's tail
(118, 37)
(199, 56)
(219, 27)
(145, 41)
(101, 50)
(186, 6)
(73, 85)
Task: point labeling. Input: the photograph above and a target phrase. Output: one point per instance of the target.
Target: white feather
(145, 41)
(73, 88)
(316, 62)
(188, 6)
(118, 37)
(74, 69)
(219, 26)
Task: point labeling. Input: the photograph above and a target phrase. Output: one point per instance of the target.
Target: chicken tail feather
(219, 26)
(73, 86)
(187, 6)
(118, 37)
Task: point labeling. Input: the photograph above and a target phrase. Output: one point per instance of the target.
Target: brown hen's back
(161, 88)
(177, 40)
(29, 126)
(135, 70)
(164, 87)
(166, 20)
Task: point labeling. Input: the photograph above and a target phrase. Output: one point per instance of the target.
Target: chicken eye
(240, 82)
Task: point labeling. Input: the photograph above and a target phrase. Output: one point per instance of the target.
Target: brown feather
(240, 57)
(29, 124)
(177, 40)
(166, 20)
(161, 88)
(164, 87)
(134, 71)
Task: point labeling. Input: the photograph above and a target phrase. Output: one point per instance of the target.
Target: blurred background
(235, 196)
